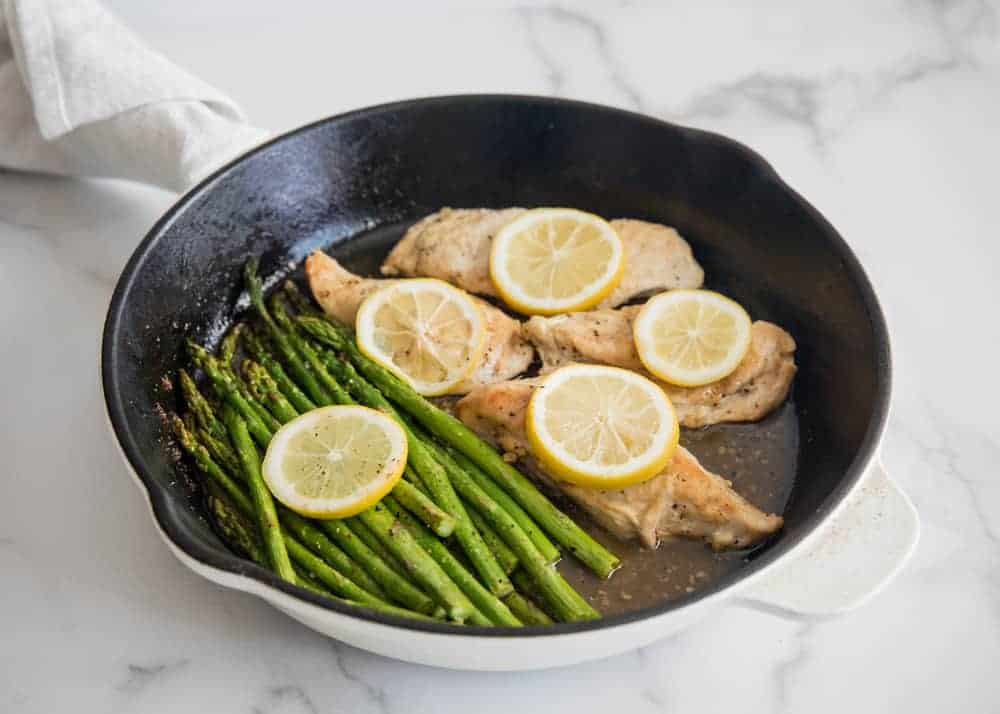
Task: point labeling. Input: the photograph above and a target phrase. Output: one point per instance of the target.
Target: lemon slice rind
(452, 347)
(583, 398)
(525, 252)
(334, 462)
(690, 338)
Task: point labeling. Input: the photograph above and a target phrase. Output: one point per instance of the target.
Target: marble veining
(141, 676)
(824, 104)
(883, 114)
(286, 698)
(373, 693)
(595, 44)
(786, 668)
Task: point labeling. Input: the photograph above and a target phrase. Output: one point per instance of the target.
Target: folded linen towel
(81, 94)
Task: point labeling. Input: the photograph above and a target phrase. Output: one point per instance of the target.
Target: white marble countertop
(885, 115)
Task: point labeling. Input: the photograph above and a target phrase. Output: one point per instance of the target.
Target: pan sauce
(760, 461)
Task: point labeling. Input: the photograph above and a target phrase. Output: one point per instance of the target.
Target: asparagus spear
(568, 604)
(224, 363)
(207, 466)
(286, 385)
(366, 536)
(395, 585)
(263, 504)
(441, 521)
(202, 410)
(306, 350)
(525, 610)
(490, 610)
(259, 409)
(299, 301)
(452, 431)
(281, 341)
(436, 518)
(391, 610)
(309, 582)
(237, 533)
(503, 499)
(522, 607)
(504, 555)
(252, 398)
(526, 586)
(227, 348)
(190, 423)
(230, 395)
(242, 538)
(417, 503)
(332, 578)
(421, 568)
(223, 454)
(266, 391)
(221, 451)
(400, 541)
(317, 541)
(433, 476)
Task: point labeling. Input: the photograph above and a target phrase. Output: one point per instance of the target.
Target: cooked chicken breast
(340, 292)
(758, 385)
(684, 500)
(656, 259)
(454, 245)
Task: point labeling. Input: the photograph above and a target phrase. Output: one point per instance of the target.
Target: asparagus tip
(181, 431)
(197, 352)
(252, 280)
(250, 267)
(188, 386)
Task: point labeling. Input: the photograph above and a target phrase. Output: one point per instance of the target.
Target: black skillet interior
(387, 166)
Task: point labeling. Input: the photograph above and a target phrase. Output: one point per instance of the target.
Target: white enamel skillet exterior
(855, 543)
(849, 558)
(856, 552)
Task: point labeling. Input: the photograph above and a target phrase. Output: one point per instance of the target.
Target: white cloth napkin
(81, 95)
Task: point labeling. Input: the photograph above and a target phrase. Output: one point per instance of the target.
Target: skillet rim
(159, 497)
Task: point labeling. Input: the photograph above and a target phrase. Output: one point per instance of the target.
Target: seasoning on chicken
(340, 292)
(454, 244)
(684, 500)
(759, 384)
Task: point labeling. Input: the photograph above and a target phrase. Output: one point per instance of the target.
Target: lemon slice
(601, 427)
(425, 330)
(691, 337)
(334, 462)
(553, 260)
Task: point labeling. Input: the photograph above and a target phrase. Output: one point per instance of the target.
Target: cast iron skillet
(384, 167)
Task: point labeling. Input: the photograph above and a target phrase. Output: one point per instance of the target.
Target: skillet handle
(857, 552)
